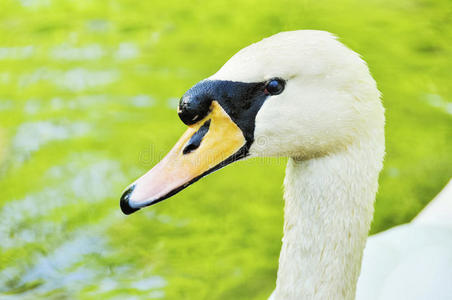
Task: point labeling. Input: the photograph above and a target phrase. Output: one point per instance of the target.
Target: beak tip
(125, 201)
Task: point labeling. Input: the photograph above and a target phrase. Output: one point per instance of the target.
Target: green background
(88, 91)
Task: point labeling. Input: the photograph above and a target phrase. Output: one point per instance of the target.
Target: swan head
(300, 94)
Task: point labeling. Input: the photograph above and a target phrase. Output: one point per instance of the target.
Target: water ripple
(67, 52)
(19, 219)
(76, 80)
(17, 53)
(31, 136)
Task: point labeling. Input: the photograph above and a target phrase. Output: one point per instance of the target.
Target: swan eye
(274, 87)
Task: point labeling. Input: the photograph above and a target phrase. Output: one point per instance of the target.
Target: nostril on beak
(190, 147)
(124, 203)
(196, 139)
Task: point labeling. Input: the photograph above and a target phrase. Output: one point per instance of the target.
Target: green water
(87, 103)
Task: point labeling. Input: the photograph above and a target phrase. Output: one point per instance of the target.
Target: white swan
(304, 95)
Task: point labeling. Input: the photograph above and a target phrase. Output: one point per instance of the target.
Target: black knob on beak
(194, 105)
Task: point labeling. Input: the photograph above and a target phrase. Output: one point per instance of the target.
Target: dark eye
(275, 86)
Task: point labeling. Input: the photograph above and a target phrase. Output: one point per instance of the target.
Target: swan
(304, 95)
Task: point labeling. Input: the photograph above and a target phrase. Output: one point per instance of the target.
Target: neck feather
(328, 211)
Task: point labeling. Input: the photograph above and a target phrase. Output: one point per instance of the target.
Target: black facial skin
(240, 100)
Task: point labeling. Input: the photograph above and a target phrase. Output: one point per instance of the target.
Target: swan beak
(206, 146)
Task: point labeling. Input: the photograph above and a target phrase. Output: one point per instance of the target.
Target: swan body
(304, 95)
(414, 260)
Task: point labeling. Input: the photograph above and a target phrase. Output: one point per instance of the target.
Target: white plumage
(412, 261)
(330, 122)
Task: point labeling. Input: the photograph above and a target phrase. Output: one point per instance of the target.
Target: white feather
(330, 122)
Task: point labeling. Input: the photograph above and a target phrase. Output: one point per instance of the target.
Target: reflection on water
(76, 264)
(31, 136)
(73, 259)
(76, 80)
(142, 101)
(22, 52)
(127, 51)
(438, 102)
(68, 52)
(61, 188)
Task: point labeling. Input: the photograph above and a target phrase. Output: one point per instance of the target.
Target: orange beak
(206, 146)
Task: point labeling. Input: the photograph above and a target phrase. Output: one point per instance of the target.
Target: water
(88, 96)
(61, 187)
(82, 118)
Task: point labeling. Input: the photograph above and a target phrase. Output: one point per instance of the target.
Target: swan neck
(327, 216)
